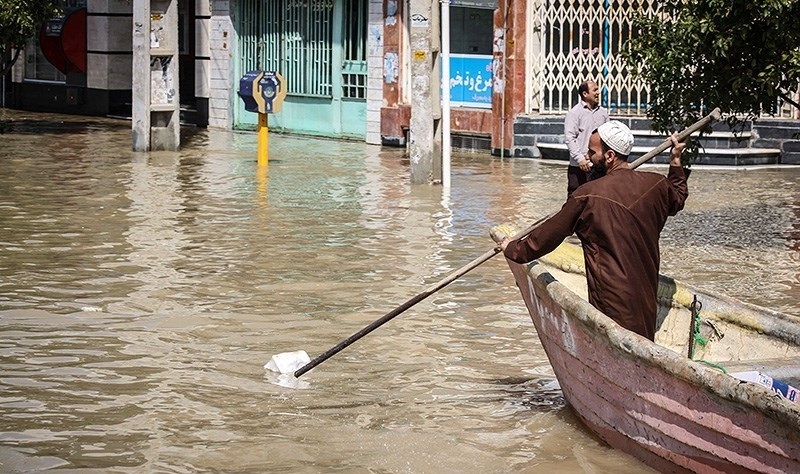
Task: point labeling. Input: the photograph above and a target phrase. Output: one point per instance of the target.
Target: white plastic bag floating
(287, 362)
(286, 380)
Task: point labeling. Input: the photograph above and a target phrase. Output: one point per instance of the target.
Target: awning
(488, 4)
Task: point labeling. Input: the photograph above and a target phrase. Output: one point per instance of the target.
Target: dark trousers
(575, 177)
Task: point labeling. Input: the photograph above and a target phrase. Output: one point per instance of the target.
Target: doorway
(319, 47)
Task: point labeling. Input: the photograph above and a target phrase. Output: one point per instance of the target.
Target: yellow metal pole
(263, 140)
(262, 175)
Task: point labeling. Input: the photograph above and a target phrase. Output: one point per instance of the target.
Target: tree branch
(789, 100)
(7, 67)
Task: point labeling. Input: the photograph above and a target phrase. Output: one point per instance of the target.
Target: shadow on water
(28, 126)
(70, 125)
(537, 394)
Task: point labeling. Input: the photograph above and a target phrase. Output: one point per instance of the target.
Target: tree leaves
(738, 55)
(19, 21)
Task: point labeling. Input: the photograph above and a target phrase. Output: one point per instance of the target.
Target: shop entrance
(319, 47)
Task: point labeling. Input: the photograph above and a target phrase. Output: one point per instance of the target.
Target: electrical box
(262, 91)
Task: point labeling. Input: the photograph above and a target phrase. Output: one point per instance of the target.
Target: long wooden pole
(478, 261)
(411, 302)
(683, 135)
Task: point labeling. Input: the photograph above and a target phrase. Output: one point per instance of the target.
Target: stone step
(790, 152)
(792, 158)
(638, 123)
(709, 156)
(778, 131)
(538, 128)
(650, 139)
(765, 141)
(529, 130)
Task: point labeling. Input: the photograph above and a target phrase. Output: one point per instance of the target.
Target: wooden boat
(651, 400)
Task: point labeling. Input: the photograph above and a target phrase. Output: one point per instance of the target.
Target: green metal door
(319, 47)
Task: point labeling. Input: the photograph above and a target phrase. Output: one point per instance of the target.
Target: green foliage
(738, 55)
(20, 21)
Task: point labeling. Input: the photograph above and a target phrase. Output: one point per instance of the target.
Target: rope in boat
(712, 364)
(696, 338)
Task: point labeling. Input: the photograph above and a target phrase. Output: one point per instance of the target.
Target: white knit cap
(617, 136)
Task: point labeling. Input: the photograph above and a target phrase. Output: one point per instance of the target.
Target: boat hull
(674, 414)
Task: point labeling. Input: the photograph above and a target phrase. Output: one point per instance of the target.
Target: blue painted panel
(311, 116)
(471, 80)
(354, 118)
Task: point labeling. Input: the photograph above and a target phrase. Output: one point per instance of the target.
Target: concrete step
(790, 152)
(528, 131)
(652, 139)
(777, 129)
(709, 156)
(790, 158)
(765, 141)
(538, 127)
(188, 114)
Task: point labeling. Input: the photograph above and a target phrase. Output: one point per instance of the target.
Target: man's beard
(598, 170)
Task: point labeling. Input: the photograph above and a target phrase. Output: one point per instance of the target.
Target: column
(425, 106)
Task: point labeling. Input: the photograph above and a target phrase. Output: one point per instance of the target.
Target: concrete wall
(221, 49)
(374, 71)
(108, 44)
(202, 62)
(395, 111)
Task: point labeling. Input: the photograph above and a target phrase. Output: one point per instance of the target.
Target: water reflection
(141, 295)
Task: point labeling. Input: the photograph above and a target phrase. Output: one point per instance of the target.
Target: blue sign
(471, 80)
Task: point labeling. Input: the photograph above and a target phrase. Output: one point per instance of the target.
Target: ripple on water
(142, 293)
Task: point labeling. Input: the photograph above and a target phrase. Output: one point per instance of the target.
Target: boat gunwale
(669, 361)
(759, 319)
(569, 258)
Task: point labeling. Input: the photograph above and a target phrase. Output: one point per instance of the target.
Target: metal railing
(297, 38)
(583, 41)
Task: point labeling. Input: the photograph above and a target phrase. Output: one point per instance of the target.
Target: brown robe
(618, 219)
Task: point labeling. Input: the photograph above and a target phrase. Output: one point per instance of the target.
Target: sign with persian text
(471, 80)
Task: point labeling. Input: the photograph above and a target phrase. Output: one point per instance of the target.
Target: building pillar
(202, 59)
(108, 57)
(221, 48)
(425, 104)
(140, 93)
(375, 71)
(511, 77)
(534, 48)
(395, 113)
(156, 100)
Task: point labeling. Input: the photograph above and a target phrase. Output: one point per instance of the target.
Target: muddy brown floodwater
(142, 293)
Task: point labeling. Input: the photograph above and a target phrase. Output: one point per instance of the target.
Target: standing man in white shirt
(581, 121)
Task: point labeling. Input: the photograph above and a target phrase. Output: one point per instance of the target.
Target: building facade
(346, 63)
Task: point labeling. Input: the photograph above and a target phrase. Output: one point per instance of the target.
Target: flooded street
(141, 295)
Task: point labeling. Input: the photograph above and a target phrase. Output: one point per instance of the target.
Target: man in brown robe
(618, 218)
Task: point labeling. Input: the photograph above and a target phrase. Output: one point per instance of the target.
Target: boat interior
(724, 333)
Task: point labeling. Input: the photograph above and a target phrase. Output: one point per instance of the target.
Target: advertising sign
(471, 80)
